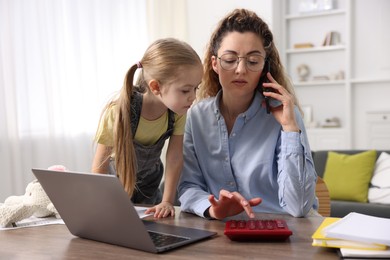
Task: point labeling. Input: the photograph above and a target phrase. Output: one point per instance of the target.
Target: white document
(34, 222)
(141, 212)
(361, 227)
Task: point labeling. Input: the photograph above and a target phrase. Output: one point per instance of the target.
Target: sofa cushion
(348, 176)
(379, 191)
(381, 176)
(379, 195)
(321, 157)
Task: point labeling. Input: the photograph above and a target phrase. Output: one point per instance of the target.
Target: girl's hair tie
(139, 65)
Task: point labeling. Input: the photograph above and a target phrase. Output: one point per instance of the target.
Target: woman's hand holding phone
(281, 104)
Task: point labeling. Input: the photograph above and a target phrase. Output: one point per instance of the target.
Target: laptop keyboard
(161, 240)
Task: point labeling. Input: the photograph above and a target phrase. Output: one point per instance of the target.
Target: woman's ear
(154, 86)
(214, 63)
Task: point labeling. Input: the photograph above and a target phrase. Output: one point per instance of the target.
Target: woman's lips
(239, 82)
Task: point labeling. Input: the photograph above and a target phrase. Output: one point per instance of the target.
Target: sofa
(340, 208)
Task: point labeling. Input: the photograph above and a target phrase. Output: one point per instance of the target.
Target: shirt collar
(255, 106)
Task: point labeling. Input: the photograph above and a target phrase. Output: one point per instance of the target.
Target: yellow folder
(320, 240)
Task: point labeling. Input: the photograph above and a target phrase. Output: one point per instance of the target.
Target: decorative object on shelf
(332, 122)
(340, 75)
(332, 38)
(303, 72)
(320, 78)
(307, 6)
(303, 45)
(325, 5)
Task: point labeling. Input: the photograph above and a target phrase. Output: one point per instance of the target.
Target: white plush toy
(34, 202)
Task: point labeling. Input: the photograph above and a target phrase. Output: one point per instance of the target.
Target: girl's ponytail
(125, 158)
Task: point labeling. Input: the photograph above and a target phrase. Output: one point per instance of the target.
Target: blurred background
(62, 60)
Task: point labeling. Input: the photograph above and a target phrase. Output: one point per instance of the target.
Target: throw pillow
(348, 176)
(379, 195)
(381, 177)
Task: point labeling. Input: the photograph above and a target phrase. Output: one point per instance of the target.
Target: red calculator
(257, 229)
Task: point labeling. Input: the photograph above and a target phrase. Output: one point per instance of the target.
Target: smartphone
(263, 79)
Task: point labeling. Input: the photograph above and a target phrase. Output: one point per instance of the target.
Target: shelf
(320, 130)
(316, 49)
(315, 14)
(370, 80)
(319, 83)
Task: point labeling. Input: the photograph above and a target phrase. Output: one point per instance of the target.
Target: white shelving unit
(327, 98)
(362, 54)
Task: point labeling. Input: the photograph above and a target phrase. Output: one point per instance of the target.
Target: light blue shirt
(257, 159)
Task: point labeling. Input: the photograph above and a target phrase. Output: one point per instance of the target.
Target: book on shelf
(360, 227)
(332, 38)
(319, 239)
(303, 45)
(347, 253)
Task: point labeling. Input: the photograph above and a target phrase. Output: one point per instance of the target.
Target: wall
(371, 66)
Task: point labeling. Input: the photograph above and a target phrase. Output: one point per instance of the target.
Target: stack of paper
(319, 239)
(360, 227)
(356, 234)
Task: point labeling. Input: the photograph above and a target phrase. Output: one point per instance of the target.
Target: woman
(236, 155)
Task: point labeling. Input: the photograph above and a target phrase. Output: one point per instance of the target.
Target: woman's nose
(241, 65)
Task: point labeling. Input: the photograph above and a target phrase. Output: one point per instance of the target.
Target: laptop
(96, 207)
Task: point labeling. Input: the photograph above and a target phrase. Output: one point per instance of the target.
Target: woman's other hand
(230, 204)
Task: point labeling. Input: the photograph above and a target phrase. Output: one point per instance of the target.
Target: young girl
(133, 128)
(242, 151)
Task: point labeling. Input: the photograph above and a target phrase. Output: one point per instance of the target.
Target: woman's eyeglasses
(254, 62)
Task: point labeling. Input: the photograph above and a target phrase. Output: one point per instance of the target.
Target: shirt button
(234, 134)
(226, 159)
(231, 183)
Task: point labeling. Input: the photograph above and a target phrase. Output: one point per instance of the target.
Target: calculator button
(270, 225)
(279, 224)
(260, 224)
(241, 224)
(252, 224)
(233, 224)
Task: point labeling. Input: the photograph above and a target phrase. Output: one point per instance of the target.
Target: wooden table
(56, 242)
